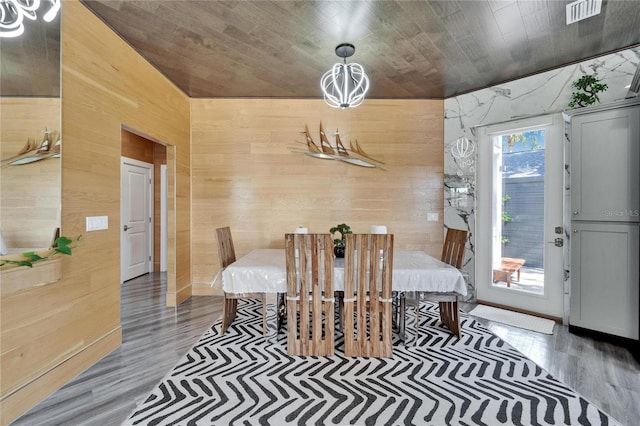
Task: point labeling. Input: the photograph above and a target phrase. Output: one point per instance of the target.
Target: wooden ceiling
(410, 49)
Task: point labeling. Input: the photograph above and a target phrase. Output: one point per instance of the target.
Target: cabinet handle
(575, 231)
(576, 213)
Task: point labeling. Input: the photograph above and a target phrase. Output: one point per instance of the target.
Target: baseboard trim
(204, 289)
(30, 394)
(522, 311)
(631, 344)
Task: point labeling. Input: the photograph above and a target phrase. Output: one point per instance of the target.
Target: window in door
(518, 211)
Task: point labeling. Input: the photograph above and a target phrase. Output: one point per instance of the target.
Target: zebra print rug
(239, 379)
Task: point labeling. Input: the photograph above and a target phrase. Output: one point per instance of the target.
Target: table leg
(410, 306)
(270, 317)
(400, 309)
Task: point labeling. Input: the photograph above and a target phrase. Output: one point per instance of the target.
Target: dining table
(414, 272)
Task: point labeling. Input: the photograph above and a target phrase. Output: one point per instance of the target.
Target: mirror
(30, 122)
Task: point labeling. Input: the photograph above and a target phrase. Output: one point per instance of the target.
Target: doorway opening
(142, 151)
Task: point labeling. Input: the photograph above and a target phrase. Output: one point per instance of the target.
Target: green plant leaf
(62, 240)
(18, 263)
(34, 257)
(63, 249)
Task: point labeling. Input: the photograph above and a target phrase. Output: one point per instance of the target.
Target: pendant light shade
(344, 85)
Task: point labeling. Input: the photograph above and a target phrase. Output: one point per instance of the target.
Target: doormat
(516, 319)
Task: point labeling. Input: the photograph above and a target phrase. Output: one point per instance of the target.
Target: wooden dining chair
(310, 300)
(452, 254)
(227, 255)
(368, 270)
(453, 247)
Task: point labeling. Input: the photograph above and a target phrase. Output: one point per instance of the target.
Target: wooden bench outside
(508, 267)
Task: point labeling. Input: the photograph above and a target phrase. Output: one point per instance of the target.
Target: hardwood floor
(155, 337)
(605, 374)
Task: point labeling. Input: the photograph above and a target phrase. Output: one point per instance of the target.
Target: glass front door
(519, 215)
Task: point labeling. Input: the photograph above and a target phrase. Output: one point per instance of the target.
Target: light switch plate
(432, 217)
(97, 223)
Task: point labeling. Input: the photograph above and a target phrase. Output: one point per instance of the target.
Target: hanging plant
(588, 88)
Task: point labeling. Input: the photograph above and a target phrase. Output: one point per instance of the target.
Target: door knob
(126, 227)
(576, 213)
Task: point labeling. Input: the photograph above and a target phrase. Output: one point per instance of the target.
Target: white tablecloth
(263, 271)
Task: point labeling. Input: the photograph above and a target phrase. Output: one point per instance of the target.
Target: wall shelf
(19, 278)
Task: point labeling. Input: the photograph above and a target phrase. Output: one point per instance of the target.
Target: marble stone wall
(543, 93)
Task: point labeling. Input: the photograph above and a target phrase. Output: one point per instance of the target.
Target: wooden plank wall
(30, 208)
(249, 173)
(137, 147)
(52, 333)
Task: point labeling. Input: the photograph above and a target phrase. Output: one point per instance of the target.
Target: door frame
(164, 177)
(149, 224)
(170, 213)
(552, 302)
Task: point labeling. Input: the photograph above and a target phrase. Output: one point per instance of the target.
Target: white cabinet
(605, 218)
(605, 165)
(604, 278)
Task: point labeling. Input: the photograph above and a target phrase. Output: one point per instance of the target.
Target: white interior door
(522, 182)
(136, 218)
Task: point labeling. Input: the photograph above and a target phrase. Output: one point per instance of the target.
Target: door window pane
(518, 211)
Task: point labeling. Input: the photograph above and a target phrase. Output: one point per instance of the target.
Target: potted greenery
(62, 245)
(338, 243)
(588, 88)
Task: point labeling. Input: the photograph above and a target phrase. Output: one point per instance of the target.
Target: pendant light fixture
(14, 12)
(344, 85)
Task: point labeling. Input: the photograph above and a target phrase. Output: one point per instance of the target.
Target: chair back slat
(226, 251)
(453, 247)
(367, 295)
(310, 305)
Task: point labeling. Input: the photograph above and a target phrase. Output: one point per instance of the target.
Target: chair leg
(340, 297)
(282, 310)
(450, 316)
(229, 309)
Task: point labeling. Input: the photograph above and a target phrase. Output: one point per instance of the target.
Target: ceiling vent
(582, 9)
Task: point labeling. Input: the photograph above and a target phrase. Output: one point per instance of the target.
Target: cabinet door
(605, 165)
(604, 278)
